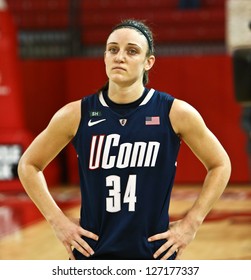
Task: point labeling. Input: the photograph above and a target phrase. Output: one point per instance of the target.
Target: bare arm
(189, 125)
(40, 153)
(210, 152)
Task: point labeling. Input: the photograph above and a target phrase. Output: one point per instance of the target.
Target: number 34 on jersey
(114, 200)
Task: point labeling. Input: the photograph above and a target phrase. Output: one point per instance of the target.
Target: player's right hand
(70, 233)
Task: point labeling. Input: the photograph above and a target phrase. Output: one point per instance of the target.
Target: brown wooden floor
(226, 234)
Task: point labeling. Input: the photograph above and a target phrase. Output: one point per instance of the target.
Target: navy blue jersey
(127, 165)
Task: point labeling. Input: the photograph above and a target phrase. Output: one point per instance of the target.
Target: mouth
(119, 68)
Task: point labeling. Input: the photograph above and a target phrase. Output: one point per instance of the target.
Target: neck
(124, 95)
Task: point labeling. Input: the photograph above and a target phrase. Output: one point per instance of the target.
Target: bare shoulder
(190, 126)
(71, 109)
(185, 117)
(58, 133)
(67, 118)
(183, 108)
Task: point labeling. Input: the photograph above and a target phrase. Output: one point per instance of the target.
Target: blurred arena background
(51, 53)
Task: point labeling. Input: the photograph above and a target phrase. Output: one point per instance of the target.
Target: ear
(149, 62)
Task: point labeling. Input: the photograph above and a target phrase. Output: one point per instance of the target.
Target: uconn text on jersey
(107, 152)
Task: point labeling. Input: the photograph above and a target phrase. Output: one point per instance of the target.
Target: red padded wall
(15, 136)
(206, 82)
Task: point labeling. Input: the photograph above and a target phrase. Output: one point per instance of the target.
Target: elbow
(221, 168)
(226, 168)
(21, 167)
(25, 168)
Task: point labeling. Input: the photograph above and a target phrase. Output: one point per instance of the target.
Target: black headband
(122, 25)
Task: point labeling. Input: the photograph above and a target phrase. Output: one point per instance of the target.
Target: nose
(120, 57)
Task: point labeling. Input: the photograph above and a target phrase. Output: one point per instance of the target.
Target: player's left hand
(179, 235)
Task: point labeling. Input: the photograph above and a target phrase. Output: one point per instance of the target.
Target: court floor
(224, 235)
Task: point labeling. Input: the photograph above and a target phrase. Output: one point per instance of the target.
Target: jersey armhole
(82, 105)
(170, 105)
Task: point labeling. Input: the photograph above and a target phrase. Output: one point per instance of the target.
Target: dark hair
(143, 29)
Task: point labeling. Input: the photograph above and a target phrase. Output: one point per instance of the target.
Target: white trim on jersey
(102, 100)
(146, 99)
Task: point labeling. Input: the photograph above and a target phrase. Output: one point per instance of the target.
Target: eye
(113, 50)
(132, 51)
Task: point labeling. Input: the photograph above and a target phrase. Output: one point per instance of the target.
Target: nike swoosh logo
(92, 123)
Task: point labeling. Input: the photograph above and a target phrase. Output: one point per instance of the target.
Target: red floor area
(17, 210)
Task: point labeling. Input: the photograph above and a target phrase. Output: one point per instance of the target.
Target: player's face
(126, 57)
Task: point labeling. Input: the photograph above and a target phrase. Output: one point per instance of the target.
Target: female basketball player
(127, 139)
